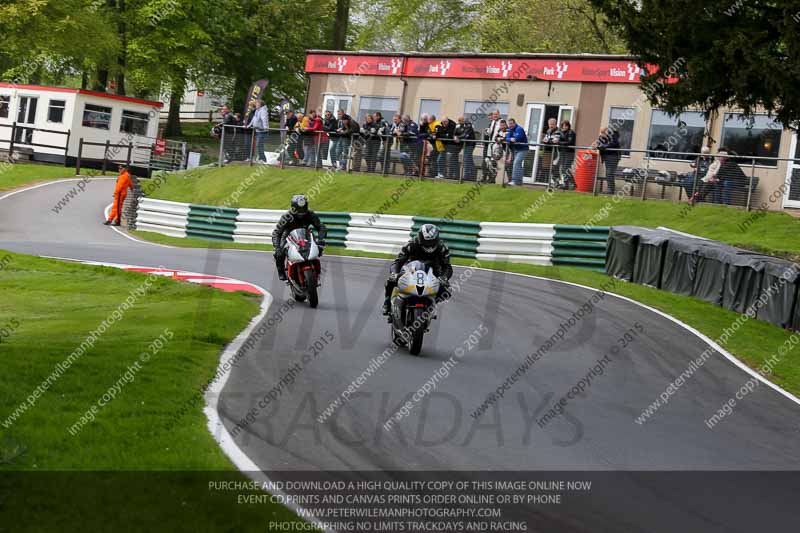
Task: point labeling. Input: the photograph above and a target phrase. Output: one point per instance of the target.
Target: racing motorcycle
(302, 266)
(413, 305)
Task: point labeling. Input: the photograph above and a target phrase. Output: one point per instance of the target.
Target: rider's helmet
(428, 238)
(300, 204)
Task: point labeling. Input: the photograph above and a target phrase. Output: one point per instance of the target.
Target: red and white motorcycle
(302, 266)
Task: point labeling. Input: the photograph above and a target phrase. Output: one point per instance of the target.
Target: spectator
(383, 130)
(708, 182)
(407, 134)
(549, 154)
(338, 156)
(299, 128)
(251, 109)
(518, 146)
(237, 118)
(566, 146)
(498, 148)
(372, 141)
(608, 146)
(465, 137)
(490, 133)
(329, 127)
(437, 148)
(731, 176)
(700, 166)
(350, 133)
(313, 133)
(260, 122)
(291, 136)
(448, 159)
(388, 138)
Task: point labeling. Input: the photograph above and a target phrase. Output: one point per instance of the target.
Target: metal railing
(625, 172)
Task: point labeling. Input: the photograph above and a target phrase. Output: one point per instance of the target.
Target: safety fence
(749, 182)
(21, 141)
(540, 244)
(739, 280)
(143, 157)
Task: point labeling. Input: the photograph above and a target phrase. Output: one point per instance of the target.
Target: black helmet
(300, 204)
(428, 238)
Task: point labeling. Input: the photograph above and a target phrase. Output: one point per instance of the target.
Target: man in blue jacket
(518, 145)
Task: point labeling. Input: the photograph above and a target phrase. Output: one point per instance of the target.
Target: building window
(622, 120)
(369, 104)
(5, 102)
(429, 106)
(758, 136)
(670, 135)
(96, 116)
(134, 123)
(55, 111)
(477, 112)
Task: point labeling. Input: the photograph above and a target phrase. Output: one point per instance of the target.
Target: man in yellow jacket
(437, 148)
(120, 192)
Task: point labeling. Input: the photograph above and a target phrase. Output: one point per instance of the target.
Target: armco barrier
(539, 244)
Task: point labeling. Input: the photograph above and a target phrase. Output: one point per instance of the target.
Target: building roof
(506, 55)
(6, 85)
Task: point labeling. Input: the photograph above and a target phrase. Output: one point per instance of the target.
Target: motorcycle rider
(298, 216)
(428, 247)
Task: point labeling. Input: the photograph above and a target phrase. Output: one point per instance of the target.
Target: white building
(51, 121)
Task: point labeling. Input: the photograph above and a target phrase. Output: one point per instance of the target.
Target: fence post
(66, 147)
(596, 174)
(349, 160)
(644, 181)
(252, 145)
(696, 175)
(105, 156)
(78, 162)
(423, 158)
(210, 116)
(11, 142)
(750, 185)
(130, 154)
(221, 161)
(387, 148)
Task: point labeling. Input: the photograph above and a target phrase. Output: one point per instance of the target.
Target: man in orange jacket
(120, 192)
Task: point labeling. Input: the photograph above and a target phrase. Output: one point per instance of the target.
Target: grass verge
(20, 174)
(124, 467)
(771, 232)
(754, 343)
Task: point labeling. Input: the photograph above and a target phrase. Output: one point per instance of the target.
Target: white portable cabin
(59, 118)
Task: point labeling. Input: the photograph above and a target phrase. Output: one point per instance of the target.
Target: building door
(534, 123)
(26, 115)
(335, 102)
(791, 197)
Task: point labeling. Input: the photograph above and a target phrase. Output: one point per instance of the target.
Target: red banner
(569, 69)
(354, 64)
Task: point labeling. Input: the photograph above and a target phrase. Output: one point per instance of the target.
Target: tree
(424, 25)
(734, 54)
(558, 26)
(339, 41)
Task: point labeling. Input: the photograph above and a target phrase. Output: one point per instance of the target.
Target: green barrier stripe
(578, 261)
(212, 228)
(574, 236)
(208, 235)
(575, 227)
(212, 223)
(579, 253)
(225, 213)
(579, 245)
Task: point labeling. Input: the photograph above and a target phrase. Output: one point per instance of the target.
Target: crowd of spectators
(446, 148)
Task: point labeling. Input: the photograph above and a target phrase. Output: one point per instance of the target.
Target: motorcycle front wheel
(311, 288)
(417, 333)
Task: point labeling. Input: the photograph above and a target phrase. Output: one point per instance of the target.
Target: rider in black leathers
(298, 216)
(426, 246)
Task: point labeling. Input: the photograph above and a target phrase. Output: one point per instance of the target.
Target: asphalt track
(671, 473)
